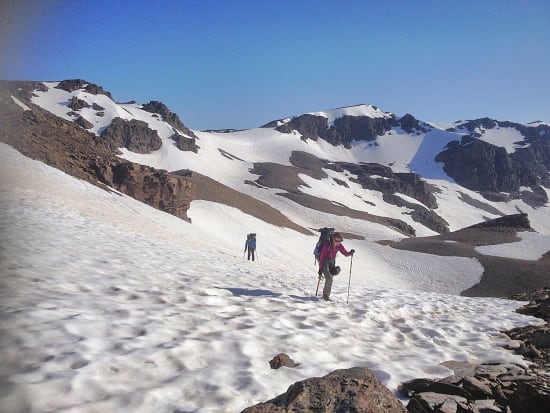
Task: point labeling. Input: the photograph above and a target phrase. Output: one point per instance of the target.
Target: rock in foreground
(352, 390)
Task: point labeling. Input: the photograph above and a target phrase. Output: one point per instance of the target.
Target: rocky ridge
(40, 135)
(470, 161)
(346, 128)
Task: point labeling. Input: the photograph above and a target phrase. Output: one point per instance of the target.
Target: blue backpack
(324, 238)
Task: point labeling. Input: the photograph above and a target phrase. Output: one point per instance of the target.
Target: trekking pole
(318, 282)
(349, 282)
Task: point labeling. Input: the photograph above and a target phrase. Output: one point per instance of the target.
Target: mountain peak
(367, 110)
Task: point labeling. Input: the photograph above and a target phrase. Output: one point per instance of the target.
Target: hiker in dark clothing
(250, 245)
(327, 262)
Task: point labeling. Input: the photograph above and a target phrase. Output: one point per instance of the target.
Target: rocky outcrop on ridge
(71, 85)
(353, 390)
(134, 135)
(346, 128)
(481, 166)
(170, 118)
(183, 143)
(504, 388)
(40, 135)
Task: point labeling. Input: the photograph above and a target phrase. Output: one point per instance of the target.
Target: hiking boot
(326, 298)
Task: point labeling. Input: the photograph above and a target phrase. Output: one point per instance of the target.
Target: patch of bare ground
(208, 189)
(502, 277)
(286, 178)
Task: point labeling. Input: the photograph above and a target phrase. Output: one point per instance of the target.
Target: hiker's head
(337, 238)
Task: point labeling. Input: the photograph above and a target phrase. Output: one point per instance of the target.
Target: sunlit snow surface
(109, 305)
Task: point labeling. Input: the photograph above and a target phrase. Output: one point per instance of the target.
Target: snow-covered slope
(110, 305)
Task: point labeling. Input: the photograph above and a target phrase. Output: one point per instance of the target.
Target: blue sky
(242, 63)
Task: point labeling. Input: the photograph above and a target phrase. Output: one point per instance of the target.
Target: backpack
(324, 238)
(251, 240)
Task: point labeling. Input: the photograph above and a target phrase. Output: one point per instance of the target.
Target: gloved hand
(352, 252)
(320, 273)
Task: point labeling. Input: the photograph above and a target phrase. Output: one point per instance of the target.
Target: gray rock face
(135, 135)
(353, 390)
(346, 128)
(480, 166)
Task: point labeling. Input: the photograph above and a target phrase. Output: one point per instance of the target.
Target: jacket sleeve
(343, 250)
(323, 255)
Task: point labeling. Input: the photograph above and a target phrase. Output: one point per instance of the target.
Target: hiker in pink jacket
(327, 262)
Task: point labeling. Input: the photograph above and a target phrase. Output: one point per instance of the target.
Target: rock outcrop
(352, 390)
(135, 135)
(481, 166)
(167, 192)
(169, 117)
(71, 85)
(346, 128)
(517, 222)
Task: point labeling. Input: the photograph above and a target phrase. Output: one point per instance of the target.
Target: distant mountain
(355, 161)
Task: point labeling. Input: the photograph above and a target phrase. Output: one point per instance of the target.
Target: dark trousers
(251, 253)
(328, 277)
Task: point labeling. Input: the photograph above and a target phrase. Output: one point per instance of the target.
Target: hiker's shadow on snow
(253, 293)
(304, 298)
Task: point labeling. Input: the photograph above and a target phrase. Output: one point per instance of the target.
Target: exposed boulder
(71, 85)
(282, 360)
(81, 121)
(77, 104)
(352, 390)
(530, 398)
(185, 144)
(135, 135)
